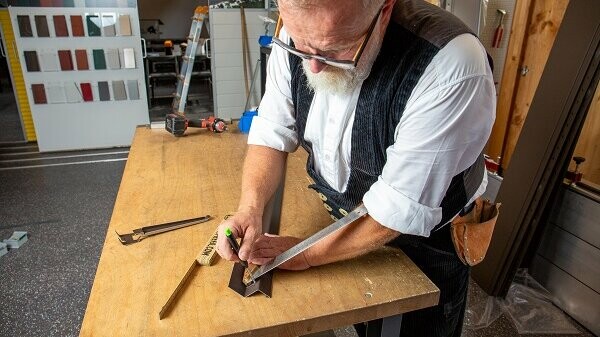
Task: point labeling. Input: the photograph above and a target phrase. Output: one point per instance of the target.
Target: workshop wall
(175, 14)
(532, 36)
(486, 35)
(229, 93)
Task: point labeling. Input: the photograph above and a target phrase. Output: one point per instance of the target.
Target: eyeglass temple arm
(278, 26)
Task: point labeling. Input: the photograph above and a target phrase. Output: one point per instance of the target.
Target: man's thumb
(246, 247)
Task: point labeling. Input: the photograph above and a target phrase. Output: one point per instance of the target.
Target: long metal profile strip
(312, 240)
(553, 123)
(271, 220)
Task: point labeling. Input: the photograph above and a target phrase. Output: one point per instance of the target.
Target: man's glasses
(343, 64)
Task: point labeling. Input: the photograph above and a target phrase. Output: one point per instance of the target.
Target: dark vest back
(414, 36)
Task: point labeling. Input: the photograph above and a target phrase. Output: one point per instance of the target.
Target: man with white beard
(394, 102)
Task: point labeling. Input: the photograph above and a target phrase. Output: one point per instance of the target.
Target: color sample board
(74, 75)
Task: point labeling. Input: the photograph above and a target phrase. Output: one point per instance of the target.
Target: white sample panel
(68, 121)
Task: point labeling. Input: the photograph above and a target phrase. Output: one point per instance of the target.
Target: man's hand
(245, 224)
(268, 246)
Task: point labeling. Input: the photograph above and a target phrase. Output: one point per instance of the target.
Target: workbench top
(168, 179)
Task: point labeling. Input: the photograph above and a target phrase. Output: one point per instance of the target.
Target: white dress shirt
(446, 123)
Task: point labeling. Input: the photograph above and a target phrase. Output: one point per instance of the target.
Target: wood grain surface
(167, 179)
(544, 20)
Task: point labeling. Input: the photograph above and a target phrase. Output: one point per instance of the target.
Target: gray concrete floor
(45, 285)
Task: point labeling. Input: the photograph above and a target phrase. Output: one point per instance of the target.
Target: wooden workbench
(168, 179)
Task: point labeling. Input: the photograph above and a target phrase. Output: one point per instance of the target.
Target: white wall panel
(227, 59)
(228, 74)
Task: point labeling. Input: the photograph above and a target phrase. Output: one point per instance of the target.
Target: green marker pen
(234, 245)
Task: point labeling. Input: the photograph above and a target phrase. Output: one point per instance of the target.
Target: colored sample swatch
(31, 60)
(39, 94)
(41, 26)
(72, 92)
(24, 26)
(56, 94)
(101, 3)
(86, 92)
(103, 91)
(124, 25)
(77, 25)
(119, 90)
(81, 57)
(99, 60)
(109, 24)
(60, 26)
(128, 58)
(134, 90)
(49, 61)
(66, 61)
(112, 59)
(93, 25)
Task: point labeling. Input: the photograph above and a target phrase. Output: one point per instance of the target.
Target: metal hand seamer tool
(141, 233)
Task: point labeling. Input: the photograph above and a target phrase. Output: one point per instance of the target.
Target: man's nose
(316, 66)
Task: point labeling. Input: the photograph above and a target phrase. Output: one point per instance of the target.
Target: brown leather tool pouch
(472, 232)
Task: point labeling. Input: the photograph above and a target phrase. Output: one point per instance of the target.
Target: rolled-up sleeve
(444, 128)
(275, 124)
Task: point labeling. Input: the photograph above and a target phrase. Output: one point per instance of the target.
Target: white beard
(332, 80)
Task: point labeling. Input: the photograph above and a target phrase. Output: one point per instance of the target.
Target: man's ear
(386, 12)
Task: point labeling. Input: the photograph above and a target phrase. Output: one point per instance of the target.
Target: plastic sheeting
(528, 305)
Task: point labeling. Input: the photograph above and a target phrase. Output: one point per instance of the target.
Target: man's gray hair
(366, 4)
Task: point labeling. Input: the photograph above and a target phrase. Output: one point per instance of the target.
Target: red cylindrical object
(498, 37)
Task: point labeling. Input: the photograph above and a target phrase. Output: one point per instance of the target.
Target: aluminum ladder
(197, 31)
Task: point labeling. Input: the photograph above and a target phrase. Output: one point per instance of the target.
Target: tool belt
(472, 232)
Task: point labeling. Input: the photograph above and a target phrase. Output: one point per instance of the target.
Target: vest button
(322, 196)
(334, 218)
(343, 212)
(327, 207)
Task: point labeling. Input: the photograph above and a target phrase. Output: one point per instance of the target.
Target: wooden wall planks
(543, 24)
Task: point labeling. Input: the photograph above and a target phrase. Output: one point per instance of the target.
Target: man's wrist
(251, 209)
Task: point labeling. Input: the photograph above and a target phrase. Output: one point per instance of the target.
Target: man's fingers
(261, 261)
(247, 243)
(268, 252)
(223, 246)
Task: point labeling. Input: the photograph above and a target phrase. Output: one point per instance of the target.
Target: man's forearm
(358, 238)
(263, 169)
